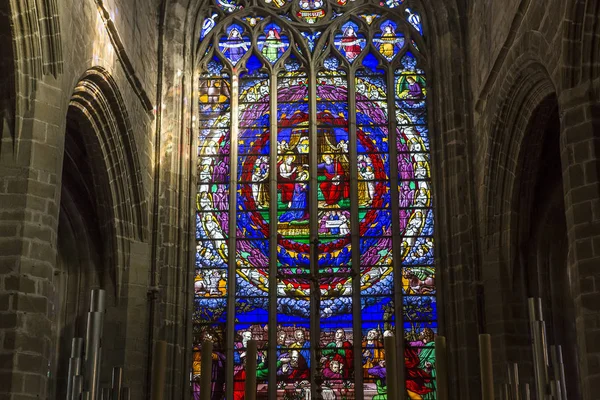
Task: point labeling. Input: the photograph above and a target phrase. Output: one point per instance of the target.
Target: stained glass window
(314, 218)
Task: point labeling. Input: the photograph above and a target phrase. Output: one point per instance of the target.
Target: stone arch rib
(581, 43)
(36, 41)
(96, 105)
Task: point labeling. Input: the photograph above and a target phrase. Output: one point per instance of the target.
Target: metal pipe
(541, 371)
(505, 392)
(206, 370)
(553, 393)
(251, 370)
(485, 364)
(74, 364)
(561, 372)
(441, 362)
(513, 376)
(159, 363)
(389, 343)
(98, 300)
(527, 392)
(93, 339)
(555, 369)
(106, 392)
(117, 383)
(77, 387)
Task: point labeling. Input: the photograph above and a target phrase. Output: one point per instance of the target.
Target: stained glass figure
(369, 18)
(234, 46)
(253, 20)
(388, 41)
(349, 42)
(319, 260)
(229, 6)
(415, 20)
(208, 24)
(273, 44)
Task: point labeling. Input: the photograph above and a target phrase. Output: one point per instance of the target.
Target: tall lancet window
(314, 219)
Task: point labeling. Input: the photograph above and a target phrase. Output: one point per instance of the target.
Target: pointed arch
(314, 206)
(97, 107)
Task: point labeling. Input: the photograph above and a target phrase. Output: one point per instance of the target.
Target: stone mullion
(231, 275)
(272, 331)
(355, 239)
(314, 226)
(396, 237)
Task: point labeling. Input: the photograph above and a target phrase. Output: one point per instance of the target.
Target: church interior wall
(537, 55)
(514, 81)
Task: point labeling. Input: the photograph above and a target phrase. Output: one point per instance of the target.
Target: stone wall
(88, 51)
(525, 61)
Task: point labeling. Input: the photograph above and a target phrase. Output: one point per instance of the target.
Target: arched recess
(526, 219)
(103, 211)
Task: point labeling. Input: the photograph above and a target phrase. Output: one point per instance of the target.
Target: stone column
(580, 155)
(30, 171)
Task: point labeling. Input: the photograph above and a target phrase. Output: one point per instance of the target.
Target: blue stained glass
(292, 64)
(311, 38)
(415, 20)
(253, 64)
(208, 24)
(331, 63)
(419, 308)
(234, 46)
(371, 62)
(211, 310)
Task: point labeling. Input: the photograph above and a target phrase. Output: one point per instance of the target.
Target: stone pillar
(580, 155)
(30, 171)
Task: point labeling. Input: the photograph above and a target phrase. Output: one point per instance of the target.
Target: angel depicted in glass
(273, 45)
(389, 43)
(349, 43)
(235, 46)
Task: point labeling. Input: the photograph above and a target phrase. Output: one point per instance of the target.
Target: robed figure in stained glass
(389, 42)
(335, 186)
(351, 43)
(299, 201)
(235, 46)
(287, 175)
(412, 88)
(273, 46)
